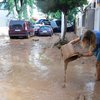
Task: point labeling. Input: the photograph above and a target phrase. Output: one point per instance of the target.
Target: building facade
(90, 18)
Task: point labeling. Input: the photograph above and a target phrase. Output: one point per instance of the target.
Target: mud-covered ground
(30, 69)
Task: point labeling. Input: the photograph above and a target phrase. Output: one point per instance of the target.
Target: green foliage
(32, 20)
(56, 15)
(69, 7)
(72, 14)
(20, 6)
(10, 5)
(62, 5)
(24, 15)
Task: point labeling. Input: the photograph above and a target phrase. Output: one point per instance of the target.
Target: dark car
(70, 26)
(36, 28)
(56, 25)
(43, 22)
(45, 30)
(20, 28)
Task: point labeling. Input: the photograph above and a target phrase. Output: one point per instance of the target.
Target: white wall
(4, 22)
(79, 20)
(89, 21)
(3, 18)
(79, 24)
(97, 19)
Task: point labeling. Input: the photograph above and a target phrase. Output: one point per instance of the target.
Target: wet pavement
(31, 69)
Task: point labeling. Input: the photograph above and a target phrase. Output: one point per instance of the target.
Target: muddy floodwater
(30, 69)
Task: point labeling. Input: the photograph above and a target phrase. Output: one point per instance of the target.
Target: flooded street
(30, 69)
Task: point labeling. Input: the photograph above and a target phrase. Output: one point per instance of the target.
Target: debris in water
(35, 39)
(82, 62)
(81, 97)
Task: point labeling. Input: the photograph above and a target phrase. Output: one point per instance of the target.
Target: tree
(72, 14)
(20, 7)
(54, 15)
(65, 6)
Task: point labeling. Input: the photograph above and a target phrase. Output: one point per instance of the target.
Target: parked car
(43, 22)
(56, 25)
(20, 28)
(45, 30)
(36, 27)
(70, 26)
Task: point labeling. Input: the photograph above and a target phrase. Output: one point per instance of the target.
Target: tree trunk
(75, 26)
(19, 14)
(62, 40)
(19, 11)
(63, 26)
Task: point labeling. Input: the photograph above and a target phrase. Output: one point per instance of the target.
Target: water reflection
(5, 61)
(89, 88)
(36, 57)
(4, 41)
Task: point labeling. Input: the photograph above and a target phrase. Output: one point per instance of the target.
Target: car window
(53, 24)
(43, 21)
(58, 23)
(16, 26)
(46, 22)
(45, 28)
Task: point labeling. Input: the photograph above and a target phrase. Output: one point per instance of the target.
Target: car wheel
(51, 34)
(28, 36)
(38, 34)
